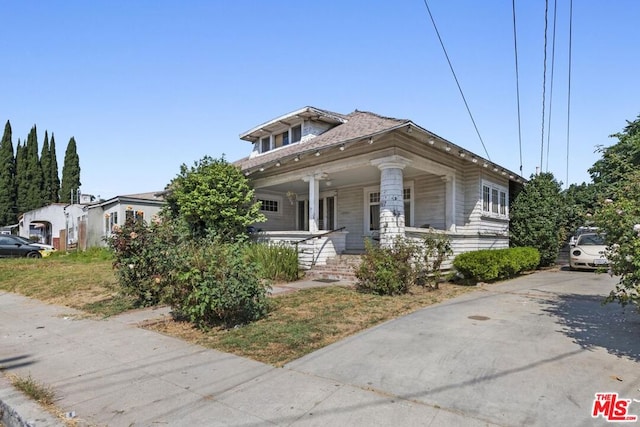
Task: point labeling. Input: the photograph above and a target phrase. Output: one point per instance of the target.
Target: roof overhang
(290, 119)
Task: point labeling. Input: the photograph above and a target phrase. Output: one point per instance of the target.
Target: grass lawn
(298, 323)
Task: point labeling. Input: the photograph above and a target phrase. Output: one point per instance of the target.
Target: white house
(86, 224)
(330, 181)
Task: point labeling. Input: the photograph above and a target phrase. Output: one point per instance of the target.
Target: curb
(17, 410)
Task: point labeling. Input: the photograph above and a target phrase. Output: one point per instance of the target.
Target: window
(282, 139)
(110, 219)
(265, 144)
(374, 211)
(296, 133)
(326, 214)
(372, 206)
(131, 216)
(268, 205)
(494, 200)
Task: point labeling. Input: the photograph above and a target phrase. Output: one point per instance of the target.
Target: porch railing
(316, 236)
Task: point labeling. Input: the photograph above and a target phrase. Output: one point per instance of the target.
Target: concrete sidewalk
(112, 373)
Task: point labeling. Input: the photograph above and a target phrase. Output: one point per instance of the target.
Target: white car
(580, 231)
(588, 253)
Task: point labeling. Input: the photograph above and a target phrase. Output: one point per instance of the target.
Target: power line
(515, 47)
(569, 85)
(553, 60)
(456, 79)
(544, 77)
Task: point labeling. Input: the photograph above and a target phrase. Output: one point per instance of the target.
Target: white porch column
(391, 197)
(450, 202)
(314, 200)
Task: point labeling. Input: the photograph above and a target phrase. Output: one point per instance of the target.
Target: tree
(70, 174)
(213, 196)
(54, 179)
(619, 220)
(8, 214)
(618, 161)
(536, 217)
(581, 202)
(45, 164)
(31, 183)
(21, 172)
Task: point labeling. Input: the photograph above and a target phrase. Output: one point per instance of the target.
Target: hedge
(496, 264)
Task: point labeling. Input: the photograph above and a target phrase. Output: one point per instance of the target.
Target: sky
(146, 86)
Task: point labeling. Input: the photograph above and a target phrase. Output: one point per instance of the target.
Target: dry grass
(87, 284)
(307, 320)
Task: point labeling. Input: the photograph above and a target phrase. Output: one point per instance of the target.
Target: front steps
(341, 267)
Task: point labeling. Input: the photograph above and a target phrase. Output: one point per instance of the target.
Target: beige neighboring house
(329, 181)
(86, 224)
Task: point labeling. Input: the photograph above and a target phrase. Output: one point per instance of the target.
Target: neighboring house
(88, 223)
(331, 181)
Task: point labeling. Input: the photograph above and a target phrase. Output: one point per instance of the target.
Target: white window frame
(272, 138)
(407, 185)
(270, 198)
(502, 209)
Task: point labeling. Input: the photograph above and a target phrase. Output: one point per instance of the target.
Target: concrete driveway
(532, 351)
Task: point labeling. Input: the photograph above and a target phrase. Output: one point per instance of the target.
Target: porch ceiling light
(504, 172)
(495, 169)
(447, 148)
(474, 160)
(342, 147)
(278, 163)
(409, 129)
(431, 141)
(247, 173)
(296, 159)
(485, 165)
(370, 141)
(317, 153)
(262, 169)
(461, 153)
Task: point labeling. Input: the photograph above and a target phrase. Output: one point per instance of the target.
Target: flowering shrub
(143, 259)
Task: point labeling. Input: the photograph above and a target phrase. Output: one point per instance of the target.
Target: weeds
(35, 390)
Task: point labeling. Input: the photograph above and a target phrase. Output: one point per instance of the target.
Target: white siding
(351, 216)
(429, 199)
(285, 219)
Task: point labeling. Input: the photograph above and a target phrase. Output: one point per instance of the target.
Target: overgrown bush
(143, 259)
(495, 264)
(277, 261)
(393, 270)
(215, 283)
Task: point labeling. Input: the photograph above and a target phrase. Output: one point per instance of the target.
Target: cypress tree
(54, 179)
(70, 173)
(45, 165)
(33, 175)
(21, 171)
(8, 214)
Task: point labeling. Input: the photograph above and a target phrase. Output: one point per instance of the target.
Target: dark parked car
(11, 247)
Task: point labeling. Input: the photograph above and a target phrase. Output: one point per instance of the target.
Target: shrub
(393, 270)
(488, 265)
(277, 261)
(144, 257)
(215, 283)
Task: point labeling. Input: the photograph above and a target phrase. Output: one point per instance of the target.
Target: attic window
(281, 139)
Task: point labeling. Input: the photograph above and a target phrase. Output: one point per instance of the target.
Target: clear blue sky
(145, 86)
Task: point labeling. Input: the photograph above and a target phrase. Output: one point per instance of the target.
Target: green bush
(277, 261)
(489, 265)
(216, 284)
(143, 257)
(393, 270)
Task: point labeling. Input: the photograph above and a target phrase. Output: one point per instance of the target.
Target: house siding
(284, 219)
(350, 215)
(429, 200)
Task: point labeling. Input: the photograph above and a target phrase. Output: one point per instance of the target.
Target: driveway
(532, 351)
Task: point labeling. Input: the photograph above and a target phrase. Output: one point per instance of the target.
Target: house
(329, 181)
(88, 223)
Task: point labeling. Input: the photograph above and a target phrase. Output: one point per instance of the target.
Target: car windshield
(591, 240)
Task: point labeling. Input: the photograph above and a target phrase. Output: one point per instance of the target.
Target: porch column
(391, 197)
(314, 200)
(450, 201)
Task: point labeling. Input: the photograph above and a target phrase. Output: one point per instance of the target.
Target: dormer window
(281, 139)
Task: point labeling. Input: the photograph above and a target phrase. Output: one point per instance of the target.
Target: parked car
(12, 247)
(580, 231)
(45, 250)
(588, 253)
